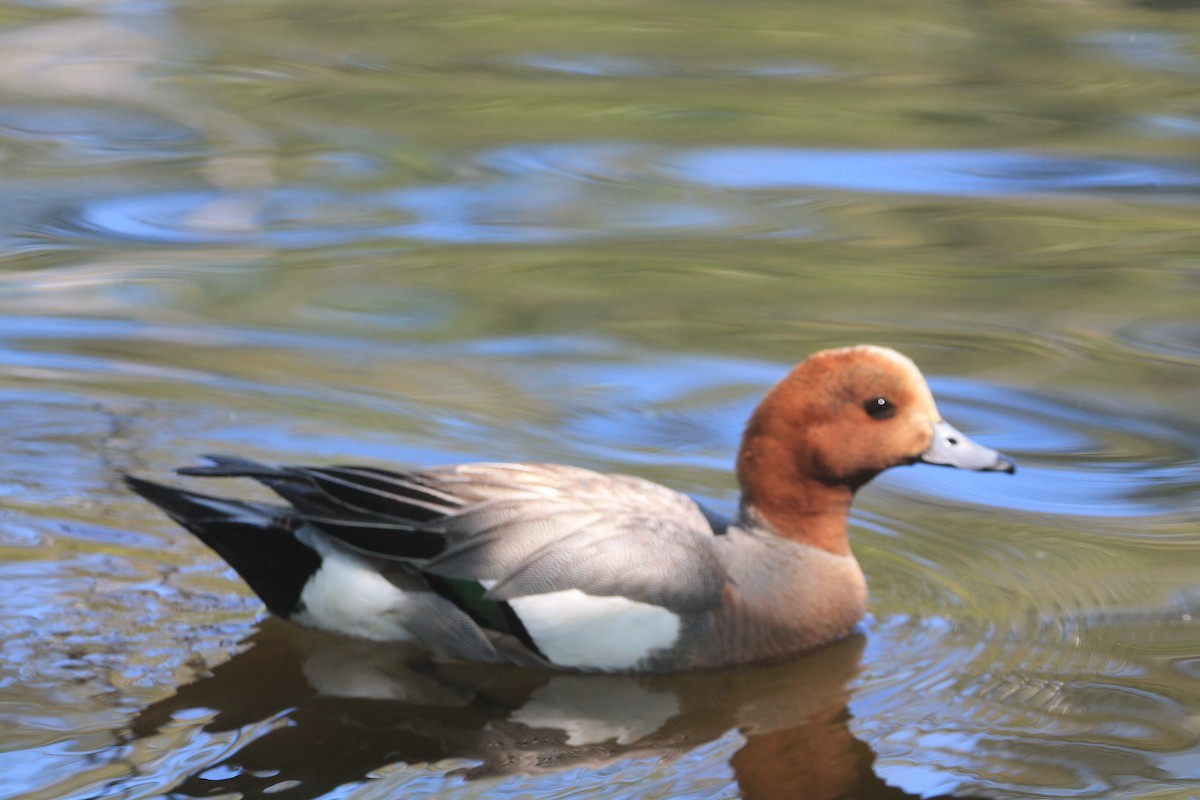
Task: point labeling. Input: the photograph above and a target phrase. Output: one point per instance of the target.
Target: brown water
(594, 233)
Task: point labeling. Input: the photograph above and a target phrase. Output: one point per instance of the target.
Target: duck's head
(836, 421)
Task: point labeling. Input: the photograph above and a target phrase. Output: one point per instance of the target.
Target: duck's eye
(880, 408)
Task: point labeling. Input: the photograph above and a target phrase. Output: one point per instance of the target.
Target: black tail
(255, 539)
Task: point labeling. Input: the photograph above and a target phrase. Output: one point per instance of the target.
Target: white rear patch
(574, 629)
(347, 595)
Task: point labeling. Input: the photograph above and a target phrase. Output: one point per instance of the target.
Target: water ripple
(1175, 338)
(582, 191)
(1051, 707)
(1077, 455)
(96, 132)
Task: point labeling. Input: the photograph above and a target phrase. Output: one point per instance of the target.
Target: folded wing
(516, 529)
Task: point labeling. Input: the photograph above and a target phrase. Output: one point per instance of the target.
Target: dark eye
(879, 408)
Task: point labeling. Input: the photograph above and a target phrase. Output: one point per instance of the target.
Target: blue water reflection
(580, 191)
(962, 173)
(603, 65)
(98, 133)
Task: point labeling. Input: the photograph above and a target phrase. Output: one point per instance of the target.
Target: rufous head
(837, 420)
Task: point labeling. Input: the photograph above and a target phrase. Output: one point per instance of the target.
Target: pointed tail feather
(256, 539)
(188, 508)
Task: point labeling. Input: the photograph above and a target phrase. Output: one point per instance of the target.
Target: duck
(556, 566)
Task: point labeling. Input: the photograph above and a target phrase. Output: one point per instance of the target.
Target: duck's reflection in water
(344, 709)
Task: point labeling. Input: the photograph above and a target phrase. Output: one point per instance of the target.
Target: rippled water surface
(594, 234)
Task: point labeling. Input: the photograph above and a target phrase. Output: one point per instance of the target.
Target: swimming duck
(549, 565)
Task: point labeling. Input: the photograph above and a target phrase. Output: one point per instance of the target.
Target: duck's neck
(794, 505)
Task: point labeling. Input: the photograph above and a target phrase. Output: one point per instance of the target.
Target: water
(420, 233)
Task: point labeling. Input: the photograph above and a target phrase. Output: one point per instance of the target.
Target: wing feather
(521, 529)
(379, 494)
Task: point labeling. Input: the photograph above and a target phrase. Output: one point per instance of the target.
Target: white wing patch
(347, 595)
(574, 629)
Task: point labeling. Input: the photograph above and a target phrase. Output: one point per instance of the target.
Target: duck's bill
(951, 448)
